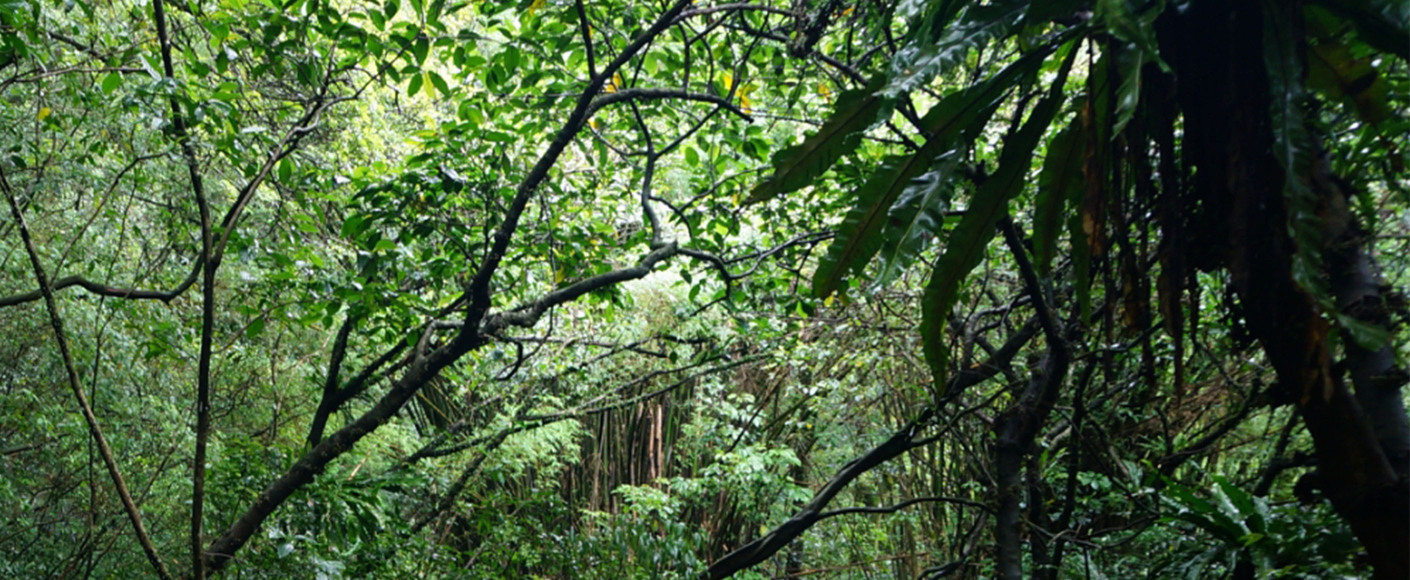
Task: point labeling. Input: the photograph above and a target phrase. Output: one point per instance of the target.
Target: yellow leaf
(824, 91)
(44, 113)
(535, 7)
(613, 85)
(558, 276)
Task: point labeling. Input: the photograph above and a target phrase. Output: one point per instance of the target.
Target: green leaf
(965, 247)
(1205, 515)
(1060, 180)
(944, 36)
(8, 7)
(1293, 148)
(1367, 335)
(1129, 60)
(111, 82)
(1040, 13)
(1133, 28)
(860, 235)
(421, 48)
(255, 328)
(796, 167)
(439, 83)
(1250, 510)
(1383, 24)
(1333, 71)
(415, 85)
(917, 216)
(354, 225)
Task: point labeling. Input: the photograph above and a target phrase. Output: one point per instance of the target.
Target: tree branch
(900, 441)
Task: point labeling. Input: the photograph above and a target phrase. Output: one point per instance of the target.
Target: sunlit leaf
(111, 82)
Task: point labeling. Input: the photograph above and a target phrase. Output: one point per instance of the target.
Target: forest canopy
(689, 289)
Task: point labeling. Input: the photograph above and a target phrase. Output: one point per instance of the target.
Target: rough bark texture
(1359, 293)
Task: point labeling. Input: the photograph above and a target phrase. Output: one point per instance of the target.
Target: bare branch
(903, 505)
(647, 93)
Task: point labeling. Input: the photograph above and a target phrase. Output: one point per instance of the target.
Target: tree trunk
(1216, 51)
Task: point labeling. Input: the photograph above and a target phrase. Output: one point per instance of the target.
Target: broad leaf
(1060, 181)
(937, 44)
(860, 235)
(1383, 24)
(1133, 28)
(965, 247)
(916, 217)
(796, 167)
(1333, 71)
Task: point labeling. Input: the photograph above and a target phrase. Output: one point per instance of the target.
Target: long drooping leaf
(1333, 71)
(965, 247)
(1293, 148)
(916, 216)
(1383, 24)
(1060, 180)
(1133, 28)
(796, 167)
(859, 237)
(1129, 62)
(937, 44)
(1085, 225)
(1137, 33)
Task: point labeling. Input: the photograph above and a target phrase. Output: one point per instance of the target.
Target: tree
(1243, 188)
(562, 152)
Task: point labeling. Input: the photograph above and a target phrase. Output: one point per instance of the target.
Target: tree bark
(1016, 429)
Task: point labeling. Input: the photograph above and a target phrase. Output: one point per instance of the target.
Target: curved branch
(105, 290)
(656, 94)
(900, 442)
(527, 315)
(479, 288)
(891, 509)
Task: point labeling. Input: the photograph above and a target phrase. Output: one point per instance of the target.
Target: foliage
(913, 288)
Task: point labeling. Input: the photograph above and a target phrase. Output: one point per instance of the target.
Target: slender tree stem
(94, 429)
